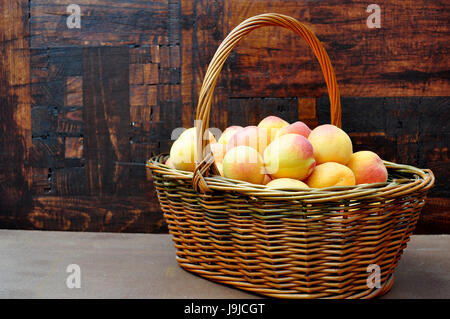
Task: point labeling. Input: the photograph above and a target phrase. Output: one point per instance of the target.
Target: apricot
(286, 183)
(228, 133)
(267, 179)
(367, 167)
(272, 124)
(182, 152)
(218, 150)
(244, 163)
(190, 133)
(291, 156)
(331, 144)
(168, 162)
(251, 136)
(331, 174)
(295, 128)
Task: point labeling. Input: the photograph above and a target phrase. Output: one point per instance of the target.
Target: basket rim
(421, 180)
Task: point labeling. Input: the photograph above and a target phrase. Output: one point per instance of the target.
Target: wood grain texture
(107, 119)
(82, 109)
(100, 98)
(93, 213)
(407, 56)
(201, 35)
(102, 23)
(15, 117)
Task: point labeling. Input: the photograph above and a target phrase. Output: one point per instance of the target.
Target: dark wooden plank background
(82, 109)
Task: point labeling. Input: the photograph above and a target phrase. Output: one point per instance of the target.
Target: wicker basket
(316, 243)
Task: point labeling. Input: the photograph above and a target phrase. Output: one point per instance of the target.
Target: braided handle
(203, 157)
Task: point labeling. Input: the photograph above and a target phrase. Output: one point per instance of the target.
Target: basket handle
(203, 157)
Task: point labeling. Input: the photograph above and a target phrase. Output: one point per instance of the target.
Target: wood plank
(246, 112)
(202, 30)
(48, 152)
(102, 23)
(73, 95)
(73, 147)
(434, 218)
(107, 117)
(407, 56)
(15, 118)
(187, 86)
(93, 213)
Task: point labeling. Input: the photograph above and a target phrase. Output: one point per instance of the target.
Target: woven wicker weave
(315, 243)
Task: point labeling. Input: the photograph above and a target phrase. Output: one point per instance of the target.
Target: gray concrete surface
(33, 264)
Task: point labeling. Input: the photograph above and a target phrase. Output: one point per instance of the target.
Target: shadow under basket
(314, 243)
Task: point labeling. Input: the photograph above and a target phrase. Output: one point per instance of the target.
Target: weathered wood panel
(101, 96)
(201, 34)
(15, 114)
(93, 213)
(82, 109)
(107, 119)
(102, 23)
(407, 56)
